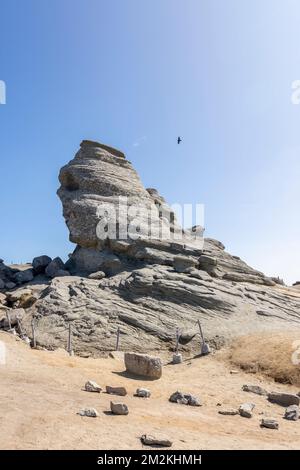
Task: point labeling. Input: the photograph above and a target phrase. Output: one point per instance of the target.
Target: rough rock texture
(270, 423)
(151, 285)
(160, 441)
(292, 413)
(143, 365)
(118, 408)
(246, 410)
(284, 399)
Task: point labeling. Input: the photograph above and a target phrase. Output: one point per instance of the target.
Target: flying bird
(179, 140)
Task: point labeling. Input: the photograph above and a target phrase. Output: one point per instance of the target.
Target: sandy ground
(41, 392)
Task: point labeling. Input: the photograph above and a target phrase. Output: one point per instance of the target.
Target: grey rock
(185, 399)
(24, 276)
(97, 275)
(121, 391)
(159, 441)
(2, 284)
(270, 423)
(89, 412)
(119, 408)
(143, 365)
(228, 412)
(177, 358)
(143, 393)
(21, 298)
(283, 399)
(246, 409)
(40, 263)
(292, 413)
(91, 386)
(54, 267)
(254, 389)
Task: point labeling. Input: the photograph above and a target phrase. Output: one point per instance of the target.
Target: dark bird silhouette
(179, 140)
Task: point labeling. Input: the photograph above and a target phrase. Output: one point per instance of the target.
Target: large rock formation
(153, 283)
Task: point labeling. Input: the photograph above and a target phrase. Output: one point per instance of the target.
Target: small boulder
(246, 409)
(292, 413)
(121, 391)
(90, 412)
(40, 263)
(54, 267)
(10, 285)
(143, 393)
(283, 399)
(185, 399)
(143, 365)
(91, 386)
(254, 389)
(119, 408)
(177, 358)
(97, 276)
(270, 423)
(24, 276)
(2, 284)
(160, 441)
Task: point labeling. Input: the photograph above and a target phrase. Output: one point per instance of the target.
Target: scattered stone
(97, 275)
(292, 413)
(229, 412)
(283, 399)
(91, 386)
(150, 440)
(185, 399)
(233, 371)
(40, 263)
(54, 267)
(121, 391)
(177, 358)
(143, 365)
(119, 408)
(269, 423)
(254, 389)
(90, 412)
(246, 409)
(22, 298)
(143, 393)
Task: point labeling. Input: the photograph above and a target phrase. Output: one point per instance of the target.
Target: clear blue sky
(217, 72)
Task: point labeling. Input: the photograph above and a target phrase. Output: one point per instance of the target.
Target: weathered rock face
(147, 287)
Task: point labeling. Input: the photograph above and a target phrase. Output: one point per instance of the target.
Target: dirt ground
(41, 392)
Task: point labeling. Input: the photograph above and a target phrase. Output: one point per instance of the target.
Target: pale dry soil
(41, 392)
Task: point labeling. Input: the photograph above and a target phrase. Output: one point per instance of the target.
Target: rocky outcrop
(143, 287)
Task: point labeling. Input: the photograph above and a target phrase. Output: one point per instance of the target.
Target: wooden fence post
(33, 334)
(118, 339)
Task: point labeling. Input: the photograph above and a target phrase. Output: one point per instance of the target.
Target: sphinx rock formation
(146, 286)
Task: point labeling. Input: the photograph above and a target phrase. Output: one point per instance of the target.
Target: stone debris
(91, 386)
(283, 399)
(159, 441)
(185, 399)
(270, 423)
(143, 393)
(292, 413)
(119, 408)
(121, 391)
(89, 412)
(246, 409)
(143, 365)
(254, 389)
